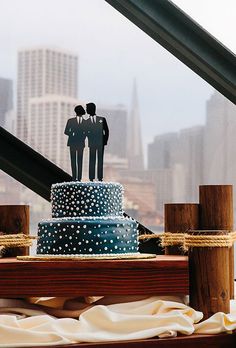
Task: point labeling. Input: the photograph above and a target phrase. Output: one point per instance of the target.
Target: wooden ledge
(163, 275)
(192, 341)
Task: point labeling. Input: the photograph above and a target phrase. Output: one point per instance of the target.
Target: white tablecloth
(26, 325)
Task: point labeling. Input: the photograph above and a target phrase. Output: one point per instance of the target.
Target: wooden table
(163, 275)
(158, 276)
(193, 341)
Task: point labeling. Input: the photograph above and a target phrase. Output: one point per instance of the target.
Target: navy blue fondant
(87, 220)
(89, 236)
(75, 199)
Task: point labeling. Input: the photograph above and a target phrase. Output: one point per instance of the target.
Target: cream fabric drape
(27, 325)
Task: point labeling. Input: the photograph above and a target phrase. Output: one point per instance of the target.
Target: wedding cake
(87, 219)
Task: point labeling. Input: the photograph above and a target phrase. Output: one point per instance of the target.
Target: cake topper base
(85, 257)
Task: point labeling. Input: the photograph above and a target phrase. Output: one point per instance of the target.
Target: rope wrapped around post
(197, 240)
(171, 239)
(165, 238)
(209, 271)
(15, 241)
(209, 241)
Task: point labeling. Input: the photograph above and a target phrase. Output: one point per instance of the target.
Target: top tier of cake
(76, 199)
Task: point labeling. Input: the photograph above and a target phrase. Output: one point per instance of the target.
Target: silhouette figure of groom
(76, 131)
(98, 134)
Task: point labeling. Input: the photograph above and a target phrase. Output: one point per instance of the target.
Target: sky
(113, 51)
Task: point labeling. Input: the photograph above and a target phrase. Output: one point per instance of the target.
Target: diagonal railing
(27, 166)
(185, 39)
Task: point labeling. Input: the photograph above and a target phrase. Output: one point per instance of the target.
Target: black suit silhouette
(76, 130)
(98, 134)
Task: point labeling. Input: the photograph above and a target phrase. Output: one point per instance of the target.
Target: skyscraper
(162, 151)
(6, 99)
(162, 168)
(48, 117)
(135, 146)
(190, 158)
(116, 117)
(46, 96)
(176, 162)
(42, 72)
(220, 141)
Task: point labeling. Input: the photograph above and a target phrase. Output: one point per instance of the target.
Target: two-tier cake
(87, 219)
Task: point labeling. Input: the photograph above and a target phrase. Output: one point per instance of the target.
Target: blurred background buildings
(162, 143)
(177, 162)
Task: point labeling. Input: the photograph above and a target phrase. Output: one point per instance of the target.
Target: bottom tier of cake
(89, 236)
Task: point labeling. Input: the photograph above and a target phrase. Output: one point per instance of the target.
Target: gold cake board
(85, 257)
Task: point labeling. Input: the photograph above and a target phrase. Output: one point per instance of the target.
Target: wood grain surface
(163, 275)
(216, 213)
(193, 341)
(180, 217)
(209, 277)
(14, 219)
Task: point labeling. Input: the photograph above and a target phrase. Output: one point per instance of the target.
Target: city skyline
(47, 80)
(181, 160)
(172, 100)
(112, 52)
(111, 108)
(101, 108)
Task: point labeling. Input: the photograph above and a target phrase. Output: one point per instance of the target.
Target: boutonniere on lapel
(100, 121)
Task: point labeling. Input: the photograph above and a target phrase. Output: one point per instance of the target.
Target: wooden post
(209, 277)
(14, 219)
(179, 217)
(216, 213)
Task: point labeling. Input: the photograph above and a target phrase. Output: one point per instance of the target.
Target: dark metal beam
(185, 39)
(27, 166)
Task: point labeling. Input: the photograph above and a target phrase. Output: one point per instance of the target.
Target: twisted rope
(210, 241)
(149, 236)
(171, 239)
(187, 241)
(166, 238)
(16, 240)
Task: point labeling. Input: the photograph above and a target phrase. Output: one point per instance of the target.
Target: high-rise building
(6, 99)
(175, 162)
(220, 141)
(162, 151)
(190, 158)
(42, 72)
(134, 140)
(46, 97)
(48, 117)
(116, 117)
(161, 168)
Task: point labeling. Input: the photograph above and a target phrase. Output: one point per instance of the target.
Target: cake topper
(98, 134)
(94, 128)
(76, 131)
